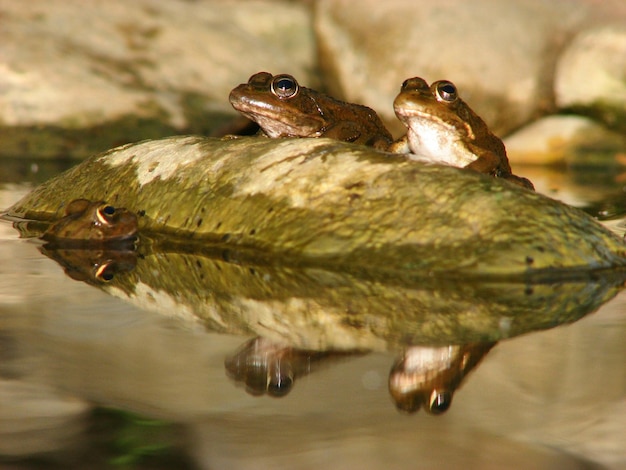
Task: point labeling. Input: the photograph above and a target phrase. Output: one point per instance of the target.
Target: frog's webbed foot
(519, 180)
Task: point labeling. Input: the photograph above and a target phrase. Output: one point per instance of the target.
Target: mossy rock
(318, 202)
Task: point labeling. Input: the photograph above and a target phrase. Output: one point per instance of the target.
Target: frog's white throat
(438, 142)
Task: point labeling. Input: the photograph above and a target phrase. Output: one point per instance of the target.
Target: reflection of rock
(317, 309)
(267, 367)
(429, 376)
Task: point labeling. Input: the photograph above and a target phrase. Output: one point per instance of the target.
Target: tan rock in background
(170, 64)
(501, 55)
(591, 74)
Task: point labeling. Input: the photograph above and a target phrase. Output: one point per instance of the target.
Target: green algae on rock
(333, 204)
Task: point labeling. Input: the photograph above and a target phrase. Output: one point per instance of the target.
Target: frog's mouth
(275, 121)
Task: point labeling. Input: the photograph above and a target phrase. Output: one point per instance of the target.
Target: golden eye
(445, 91)
(104, 214)
(284, 87)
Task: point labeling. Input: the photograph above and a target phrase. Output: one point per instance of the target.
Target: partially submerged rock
(317, 202)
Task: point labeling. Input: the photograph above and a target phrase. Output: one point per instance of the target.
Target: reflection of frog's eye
(280, 386)
(104, 214)
(106, 272)
(439, 401)
(445, 91)
(285, 87)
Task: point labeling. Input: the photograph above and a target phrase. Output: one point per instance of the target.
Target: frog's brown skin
(443, 128)
(283, 108)
(93, 222)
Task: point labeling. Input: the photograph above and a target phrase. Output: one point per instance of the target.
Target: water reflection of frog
(93, 266)
(93, 222)
(268, 367)
(283, 108)
(429, 376)
(424, 375)
(443, 128)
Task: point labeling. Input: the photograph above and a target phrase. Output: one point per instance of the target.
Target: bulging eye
(105, 213)
(285, 87)
(445, 91)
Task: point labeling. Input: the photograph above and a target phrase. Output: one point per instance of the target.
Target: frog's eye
(440, 401)
(284, 87)
(281, 381)
(445, 91)
(104, 214)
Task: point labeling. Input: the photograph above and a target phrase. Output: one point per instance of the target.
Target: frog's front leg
(346, 131)
(488, 162)
(400, 146)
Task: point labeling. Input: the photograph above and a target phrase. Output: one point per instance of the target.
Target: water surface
(89, 377)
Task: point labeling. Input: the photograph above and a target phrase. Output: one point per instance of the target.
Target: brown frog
(443, 128)
(93, 222)
(283, 108)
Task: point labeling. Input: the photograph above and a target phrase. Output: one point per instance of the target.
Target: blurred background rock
(80, 76)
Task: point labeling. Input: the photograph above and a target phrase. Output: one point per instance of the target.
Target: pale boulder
(557, 139)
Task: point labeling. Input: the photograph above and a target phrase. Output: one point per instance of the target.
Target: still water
(109, 372)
